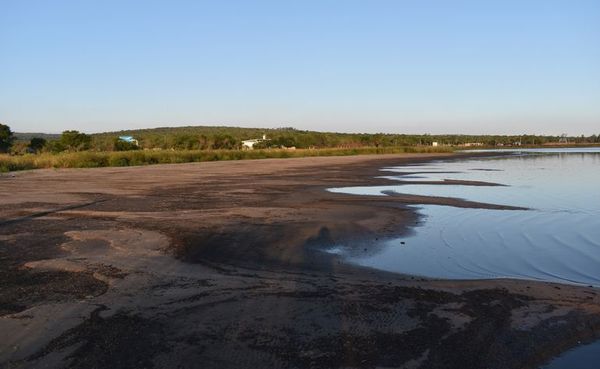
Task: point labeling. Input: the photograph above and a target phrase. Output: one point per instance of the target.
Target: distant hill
(26, 136)
(236, 132)
(200, 137)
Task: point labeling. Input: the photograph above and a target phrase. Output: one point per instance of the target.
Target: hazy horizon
(413, 67)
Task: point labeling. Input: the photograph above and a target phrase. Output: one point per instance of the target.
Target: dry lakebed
(230, 265)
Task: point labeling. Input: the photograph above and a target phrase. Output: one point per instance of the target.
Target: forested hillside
(207, 137)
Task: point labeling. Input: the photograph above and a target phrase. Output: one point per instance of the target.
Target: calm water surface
(582, 357)
(558, 239)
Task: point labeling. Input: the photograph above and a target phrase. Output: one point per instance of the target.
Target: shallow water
(558, 239)
(582, 357)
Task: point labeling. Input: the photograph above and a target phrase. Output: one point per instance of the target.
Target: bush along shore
(94, 159)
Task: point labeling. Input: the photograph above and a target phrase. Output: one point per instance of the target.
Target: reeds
(94, 159)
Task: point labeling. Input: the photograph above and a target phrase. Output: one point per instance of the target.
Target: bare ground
(218, 265)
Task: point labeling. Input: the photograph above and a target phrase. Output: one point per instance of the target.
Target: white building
(249, 144)
(434, 143)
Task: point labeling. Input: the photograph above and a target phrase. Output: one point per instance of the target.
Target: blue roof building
(129, 139)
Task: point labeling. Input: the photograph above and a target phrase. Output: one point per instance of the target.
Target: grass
(92, 159)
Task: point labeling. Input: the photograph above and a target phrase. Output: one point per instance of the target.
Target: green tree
(285, 141)
(55, 146)
(6, 138)
(75, 140)
(36, 144)
(226, 142)
(186, 142)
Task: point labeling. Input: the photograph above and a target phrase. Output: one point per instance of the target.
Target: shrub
(89, 159)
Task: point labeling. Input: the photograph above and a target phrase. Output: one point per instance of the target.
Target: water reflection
(557, 240)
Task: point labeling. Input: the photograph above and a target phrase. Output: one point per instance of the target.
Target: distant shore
(219, 264)
(99, 159)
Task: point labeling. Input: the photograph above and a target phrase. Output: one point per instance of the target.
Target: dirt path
(217, 265)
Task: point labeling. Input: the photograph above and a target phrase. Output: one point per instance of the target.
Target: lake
(557, 239)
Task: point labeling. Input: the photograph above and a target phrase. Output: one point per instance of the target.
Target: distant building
(249, 144)
(129, 139)
(469, 144)
(434, 143)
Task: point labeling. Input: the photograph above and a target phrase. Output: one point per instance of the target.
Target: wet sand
(217, 265)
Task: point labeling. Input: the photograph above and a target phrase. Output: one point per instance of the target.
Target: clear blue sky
(406, 66)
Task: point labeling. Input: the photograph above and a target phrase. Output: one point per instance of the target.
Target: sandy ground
(219, 265)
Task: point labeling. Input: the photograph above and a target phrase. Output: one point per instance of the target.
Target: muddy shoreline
(218, 265)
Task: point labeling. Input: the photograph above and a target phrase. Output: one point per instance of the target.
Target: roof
(127, 138)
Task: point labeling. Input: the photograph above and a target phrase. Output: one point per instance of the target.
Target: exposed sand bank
(215, 265)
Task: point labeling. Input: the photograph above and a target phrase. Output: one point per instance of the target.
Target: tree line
(230, 138)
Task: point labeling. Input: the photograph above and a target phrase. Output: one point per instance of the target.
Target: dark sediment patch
(443, 182)
(119, 342)
(22, 288)
(489, 341)
(448, 201)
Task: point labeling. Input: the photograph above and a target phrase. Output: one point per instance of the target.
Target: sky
(396, 66)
